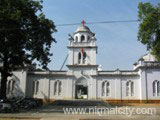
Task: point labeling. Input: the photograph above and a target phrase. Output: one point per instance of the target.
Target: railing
(82, 44)
(147, 64)
(118, 73)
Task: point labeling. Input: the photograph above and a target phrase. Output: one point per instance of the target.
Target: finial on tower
(83, 23)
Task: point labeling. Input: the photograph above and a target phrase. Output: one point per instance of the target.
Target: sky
(117, 43)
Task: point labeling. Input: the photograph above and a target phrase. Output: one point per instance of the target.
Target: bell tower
(82, 51)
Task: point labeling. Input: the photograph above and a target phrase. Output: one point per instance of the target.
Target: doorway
(81, 92)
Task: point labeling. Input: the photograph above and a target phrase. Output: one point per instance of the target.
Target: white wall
(151, 75)
(118, 87)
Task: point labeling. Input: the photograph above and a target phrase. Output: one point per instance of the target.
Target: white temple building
(84, 79)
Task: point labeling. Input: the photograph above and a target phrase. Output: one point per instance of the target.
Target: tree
(25, 37)
(149, 28)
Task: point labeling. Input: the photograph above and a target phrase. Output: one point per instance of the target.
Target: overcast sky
(118, 46)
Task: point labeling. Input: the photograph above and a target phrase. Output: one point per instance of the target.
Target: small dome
(83, 29)
(149, 57)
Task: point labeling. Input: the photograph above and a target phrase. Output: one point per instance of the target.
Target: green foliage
(25, 35)
(149, 28)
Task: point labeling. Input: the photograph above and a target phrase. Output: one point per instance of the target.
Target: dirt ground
(56, 113)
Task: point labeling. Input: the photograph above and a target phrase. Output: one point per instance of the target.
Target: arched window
(82, 38)
(13, 85)
(84, 57)
(79, 58)
(156, 88)
(127, 89)
(57, 87)
(105, 88)
(88, 38)
(130, 88)
(9, 86)
(76, 39)
(37, 87)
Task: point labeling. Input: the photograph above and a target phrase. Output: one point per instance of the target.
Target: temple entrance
(81, 92)
(81, 89)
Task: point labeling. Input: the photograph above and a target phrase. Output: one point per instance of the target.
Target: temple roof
(83, 29)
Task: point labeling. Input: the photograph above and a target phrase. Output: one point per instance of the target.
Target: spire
(83, 23)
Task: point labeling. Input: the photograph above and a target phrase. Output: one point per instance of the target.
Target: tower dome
(83, 29)
(83, 34)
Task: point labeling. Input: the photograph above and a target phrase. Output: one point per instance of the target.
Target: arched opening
(88, 38)
(37, 87)
(9, 87)
(79, 58)
(76, 39)
(156, 88)
(84, 57)
(105, 88)
(130, 88)
(57, 87)
(13, 85)
(82, 38)
(127, 89)
(81, 89)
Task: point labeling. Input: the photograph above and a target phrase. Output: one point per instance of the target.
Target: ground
(55, 111)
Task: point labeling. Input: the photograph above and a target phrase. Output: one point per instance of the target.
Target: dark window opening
(82, 38)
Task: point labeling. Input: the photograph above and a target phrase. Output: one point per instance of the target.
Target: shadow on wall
(15, 90)
(45, 97)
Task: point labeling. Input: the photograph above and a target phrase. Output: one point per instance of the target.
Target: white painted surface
(144, 73)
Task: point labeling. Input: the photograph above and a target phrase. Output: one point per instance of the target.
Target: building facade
(84, 79)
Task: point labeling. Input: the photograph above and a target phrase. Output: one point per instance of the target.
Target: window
(105, 88)
(13, 85)
(36, 87)
(88, 38)
(82, 38)
(76, 39)
(130, 88)
(57, 87)
(9, 87)
(84, 57)
(127, 89)
(156, 88)
(79, 58)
